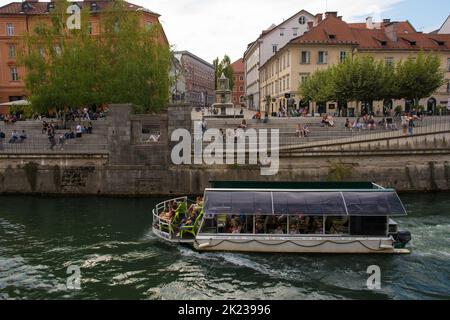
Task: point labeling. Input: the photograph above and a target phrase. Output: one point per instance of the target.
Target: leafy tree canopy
(126, 63)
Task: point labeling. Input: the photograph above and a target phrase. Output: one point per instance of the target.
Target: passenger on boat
(190, 220)
(293, 230)
(259, 228)
(317, 226)
(235, 228)
(279, 230)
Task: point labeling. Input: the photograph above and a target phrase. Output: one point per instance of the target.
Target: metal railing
(160, 224)
(30, 147)
(339, 134)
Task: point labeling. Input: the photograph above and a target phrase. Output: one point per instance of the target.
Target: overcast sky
(211, 28)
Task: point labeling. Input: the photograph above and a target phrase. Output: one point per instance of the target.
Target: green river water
(119, 257)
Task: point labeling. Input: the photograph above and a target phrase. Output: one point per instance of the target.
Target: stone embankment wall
(133, 167)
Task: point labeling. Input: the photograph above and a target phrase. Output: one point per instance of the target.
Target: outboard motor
(402, 238)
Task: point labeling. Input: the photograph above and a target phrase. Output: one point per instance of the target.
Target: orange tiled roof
(333, 30)
(38, 8)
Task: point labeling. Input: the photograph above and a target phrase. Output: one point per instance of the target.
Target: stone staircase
(38, 142)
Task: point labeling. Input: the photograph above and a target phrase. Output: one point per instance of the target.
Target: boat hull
(326, 245)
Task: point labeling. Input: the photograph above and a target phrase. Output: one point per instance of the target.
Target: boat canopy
(373, 202)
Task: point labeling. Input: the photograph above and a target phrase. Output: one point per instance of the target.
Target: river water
(119, 257)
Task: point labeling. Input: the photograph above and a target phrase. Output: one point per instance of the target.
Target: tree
(318, 87)
(359, 79)
(71, 68)
(224, 67)
(419, 77)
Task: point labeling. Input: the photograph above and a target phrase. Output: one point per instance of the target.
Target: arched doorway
(343, 109)
(366, 107)
(431, 106)
(388, 105)
(321, 107)
(409, 105)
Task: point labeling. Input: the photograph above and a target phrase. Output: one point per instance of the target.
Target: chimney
(319, 18)
(391, 32)
(310, 25)
(369, 23)
(331, 14)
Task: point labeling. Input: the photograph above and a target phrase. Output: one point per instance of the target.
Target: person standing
(2, 137)
(51, 138)
(79, 131)
(411, 125)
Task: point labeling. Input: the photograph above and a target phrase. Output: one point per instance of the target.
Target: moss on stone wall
(339, 172)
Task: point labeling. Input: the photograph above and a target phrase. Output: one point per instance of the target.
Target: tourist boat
(290, 217)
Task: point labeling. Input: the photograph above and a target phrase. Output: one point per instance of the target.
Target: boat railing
(164, 226)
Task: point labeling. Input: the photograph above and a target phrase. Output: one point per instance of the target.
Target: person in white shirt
(79, 131)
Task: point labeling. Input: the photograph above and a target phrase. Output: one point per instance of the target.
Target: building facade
(267, 45)
(19, 18)
(333, 40)
(178, 78)
(239, 83)
(199, 78)
(251, 76)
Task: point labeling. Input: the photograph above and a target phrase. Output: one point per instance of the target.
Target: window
(241, 88)
(149, 25)
(323, 57)
(14, 74)
(9, 29)
(448, 64)
(287, 82)
(302, 20)
(275, 48)
(90, 27)
(342, 56)
(12, 51)
(295, 32)
(304, 77)
(281, 32)
(389, 61)
(305, 57)
(448, 87)
(241, 78)
(42, 52)
(288, 59)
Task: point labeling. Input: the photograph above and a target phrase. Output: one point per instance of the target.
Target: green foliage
(25, 110)
(361, 79)
(365, 79)
(224, 67)
(339, 172)
(419, 77)
(318, 87)
(72, 68)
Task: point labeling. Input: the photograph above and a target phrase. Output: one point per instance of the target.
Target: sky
(213, 28)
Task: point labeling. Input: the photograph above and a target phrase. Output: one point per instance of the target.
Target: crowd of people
(303, 131)
(298, 224)
(180, 217)
(50, 130)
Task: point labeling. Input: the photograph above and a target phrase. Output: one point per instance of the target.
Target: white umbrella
(16, 103)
